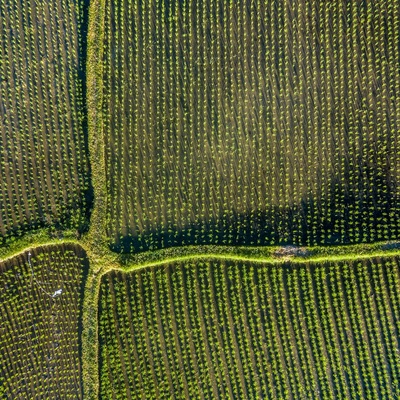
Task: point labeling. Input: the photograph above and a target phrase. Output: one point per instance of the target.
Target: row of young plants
(230, 329)
(250, 122)
(43, 164)
(40, 311)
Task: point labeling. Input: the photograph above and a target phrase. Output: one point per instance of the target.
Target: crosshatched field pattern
(43, 165)
(225, 329)
(39, 350)
(251, 121)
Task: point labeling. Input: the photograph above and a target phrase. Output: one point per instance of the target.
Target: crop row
(43, 165)
(229, 329)
(39, 348)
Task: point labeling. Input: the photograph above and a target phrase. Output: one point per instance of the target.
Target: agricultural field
(199, 199)
(44, 171)
(250, 122)
(213, 329)
(39, 334)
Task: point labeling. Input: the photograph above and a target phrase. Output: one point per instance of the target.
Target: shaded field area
(44, 171)
(227, 329)
(250, 122)
(39, 333)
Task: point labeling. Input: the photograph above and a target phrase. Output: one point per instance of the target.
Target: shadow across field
(304, 224)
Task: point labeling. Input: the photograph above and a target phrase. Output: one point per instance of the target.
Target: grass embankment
(95, 239)
(37, 238)
(94, 74)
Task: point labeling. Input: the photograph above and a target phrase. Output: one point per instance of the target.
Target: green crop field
(250, 122)
(39, 334)
(227, 329)
(43, 163)
(199, 199)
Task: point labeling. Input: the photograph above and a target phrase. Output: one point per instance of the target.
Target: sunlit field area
(43, 159)
(229, 329)
(199, 199)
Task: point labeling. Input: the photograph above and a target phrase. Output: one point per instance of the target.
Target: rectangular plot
(250, 122)
(296, 330)
(43, 163)
(40, 311)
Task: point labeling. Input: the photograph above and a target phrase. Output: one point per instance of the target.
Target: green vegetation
(215, 128)
(109, 261)
(44, 172)
(35, 238)
(229, 329)
(39, 333)
(248, 122)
